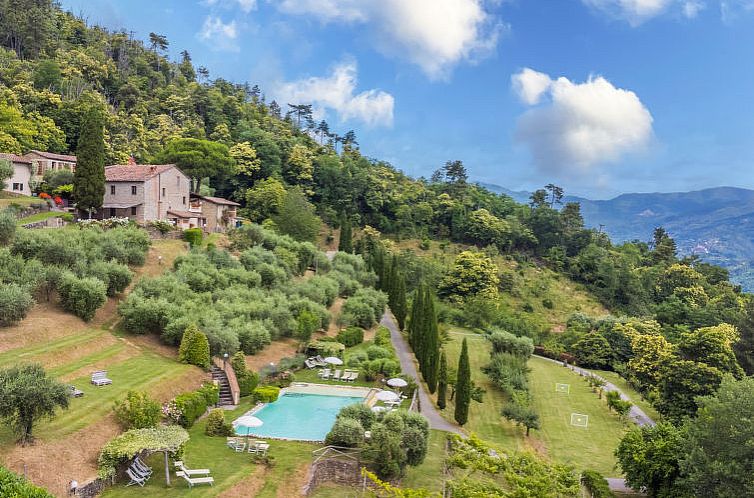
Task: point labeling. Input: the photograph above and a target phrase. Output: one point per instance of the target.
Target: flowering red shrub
(58, 200)
(44, 195)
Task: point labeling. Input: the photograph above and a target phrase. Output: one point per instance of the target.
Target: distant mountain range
(716, 223)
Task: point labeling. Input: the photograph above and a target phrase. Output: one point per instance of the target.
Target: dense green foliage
(192, 405)
(266, 394)
(137, 411)
(648, 457)
(7, 227)
(596, 484)
(15, 303)
(15, 486)
(193, 236)
(350, 336)
(247, 379)
(128, 445)
(216, 424)
(28, 395)
(89, 179)
(442, 382)
(194, 348)
(463, 385)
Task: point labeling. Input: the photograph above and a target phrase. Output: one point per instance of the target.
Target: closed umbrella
(333, 360)
(397, 382)
(386, 396)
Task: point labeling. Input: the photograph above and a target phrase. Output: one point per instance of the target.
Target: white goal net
(563, 388)
(579, 420)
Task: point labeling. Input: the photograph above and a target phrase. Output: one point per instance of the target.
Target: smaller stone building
(146, 192)
(42, 162)
(217, 214)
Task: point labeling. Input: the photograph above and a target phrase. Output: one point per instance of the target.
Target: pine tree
(442, 382)
(399, 306)
(89, 179)
(463, 386)
(345, 244)
(432, 344)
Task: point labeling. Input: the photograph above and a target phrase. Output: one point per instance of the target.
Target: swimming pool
(300, 415)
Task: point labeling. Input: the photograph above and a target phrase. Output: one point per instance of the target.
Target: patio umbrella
(386, 396)
(247, 421)
(397, 382)
(332, 360)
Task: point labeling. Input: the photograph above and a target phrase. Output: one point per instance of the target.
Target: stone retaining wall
(93, 488)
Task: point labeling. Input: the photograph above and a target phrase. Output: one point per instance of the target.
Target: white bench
(99, 378)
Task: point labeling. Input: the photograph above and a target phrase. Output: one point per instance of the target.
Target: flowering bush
(172, 413)
(44, 195)
(106, 223)
(58, 200)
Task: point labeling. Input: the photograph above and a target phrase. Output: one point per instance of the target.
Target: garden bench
(99, 378)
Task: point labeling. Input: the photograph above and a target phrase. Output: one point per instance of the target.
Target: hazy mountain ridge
(716, 223)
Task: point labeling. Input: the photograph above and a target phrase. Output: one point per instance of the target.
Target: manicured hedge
(266, 394)
(351, 336)
(193, 404)
(193, 236)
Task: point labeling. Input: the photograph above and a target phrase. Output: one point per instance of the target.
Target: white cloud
(530, 85)
(634, 12)
(336, 92)
(691, 8)
(434, 34)
(219, 35)
(731, 9)
(245, 5)
(582, 125)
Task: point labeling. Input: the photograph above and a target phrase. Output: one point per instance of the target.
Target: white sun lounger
(191, 472)
(259, 447)
(135, 479)
(99, 378)
(325, 374)
(336, 375)
(192, 481)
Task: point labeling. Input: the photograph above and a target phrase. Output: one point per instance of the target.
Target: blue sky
(600, 96)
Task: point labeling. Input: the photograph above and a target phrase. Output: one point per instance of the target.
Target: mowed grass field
(584, 448)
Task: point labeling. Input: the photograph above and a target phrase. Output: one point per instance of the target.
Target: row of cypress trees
(392, 282)
(424, 336)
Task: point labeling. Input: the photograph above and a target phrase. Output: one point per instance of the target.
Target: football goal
(579, 420)
(563, 388)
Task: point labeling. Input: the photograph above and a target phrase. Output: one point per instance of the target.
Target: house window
(40, 168)
(112, 213)
(163, 191)
(133, 211)
(184, 200)
(112, 189)
(133, 189)
(16, 186)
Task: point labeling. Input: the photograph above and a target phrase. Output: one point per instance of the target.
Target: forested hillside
(679, 326)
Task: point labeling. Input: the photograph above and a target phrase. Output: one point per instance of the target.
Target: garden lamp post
(225, 360)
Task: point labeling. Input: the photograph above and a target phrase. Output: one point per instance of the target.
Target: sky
(601, 97)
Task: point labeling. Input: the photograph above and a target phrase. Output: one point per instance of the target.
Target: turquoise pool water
(305, 417)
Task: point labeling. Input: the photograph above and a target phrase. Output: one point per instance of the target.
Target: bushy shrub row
(364, 309)
(187, 407)
(12, 485)
(244, 303)
(351, 336)
(266, 394)
(137, 411)
(83, 266)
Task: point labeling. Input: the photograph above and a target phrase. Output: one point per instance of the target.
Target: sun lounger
(193, 481)
(259, 447)
(325, 374)
(191, 472)
(99, 378)
(310, 363)
(346, 377)
(141, 467)
(336, 375)
(320, 361)
(354, 376)
(135, 479)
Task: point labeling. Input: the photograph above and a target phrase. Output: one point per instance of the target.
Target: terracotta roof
(14, 158)
(183, 214)
(215, 200)
(57, 157)
(137, 173)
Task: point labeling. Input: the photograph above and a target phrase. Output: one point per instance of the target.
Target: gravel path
(406, 357)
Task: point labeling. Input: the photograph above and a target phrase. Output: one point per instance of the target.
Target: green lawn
(34, 351)
(428, 475)
(38, 217)
(636, 397)
(140, 372)
(590, 447)
(7, 200)
(227, 466)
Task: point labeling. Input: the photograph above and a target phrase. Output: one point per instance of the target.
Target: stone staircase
(226, 398)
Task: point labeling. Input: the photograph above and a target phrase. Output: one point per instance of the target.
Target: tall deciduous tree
(463, 386)
(442, 382)
(197, 158)
(89, 179)
(27, 395)
(345, 243)
(649, 456)
(296, 217)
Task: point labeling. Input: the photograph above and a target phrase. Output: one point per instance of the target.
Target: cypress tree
(463, 386)
(392, 282)
(400, 307)
(415, 325)
(89, 178)
(345, 244)
(442, 382)
(431, 344)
